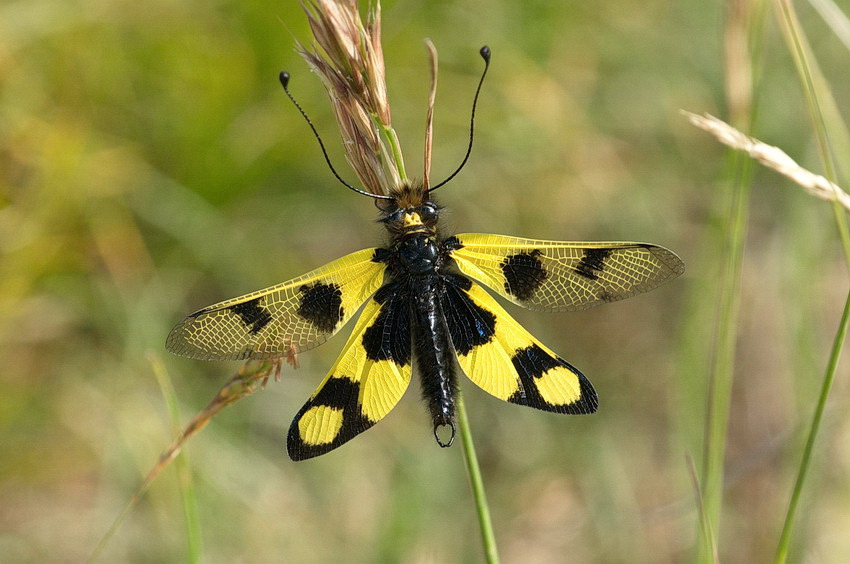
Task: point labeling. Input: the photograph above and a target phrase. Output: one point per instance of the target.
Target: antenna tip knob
(485, 53)
(284, 79)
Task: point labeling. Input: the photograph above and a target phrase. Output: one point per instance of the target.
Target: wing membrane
(505, 360)
(558, 276)
(282, 320)
(364, 384)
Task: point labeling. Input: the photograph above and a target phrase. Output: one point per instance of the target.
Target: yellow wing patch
(557, 276)
(366, 382)
(505, 360)
(282, 320)
(320, 424)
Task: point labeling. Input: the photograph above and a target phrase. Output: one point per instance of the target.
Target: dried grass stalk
(771, 157)
(348, 57)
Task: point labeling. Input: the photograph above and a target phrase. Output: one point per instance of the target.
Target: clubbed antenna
(485, 54)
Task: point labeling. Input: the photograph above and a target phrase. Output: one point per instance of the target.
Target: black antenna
(284, 81)
(485, 54)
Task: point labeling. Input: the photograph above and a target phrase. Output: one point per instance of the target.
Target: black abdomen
(434, 354)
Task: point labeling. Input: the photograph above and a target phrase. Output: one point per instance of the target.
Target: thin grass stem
(395, 148)
(800, 52)
(743, 59)
(726, 332)
(705, 523)
(829, 378)
(184, 473)
(488, 538)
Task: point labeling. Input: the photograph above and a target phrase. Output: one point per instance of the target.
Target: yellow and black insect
(425, 307)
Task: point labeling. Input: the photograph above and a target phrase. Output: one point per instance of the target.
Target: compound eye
(428, 211)
(394, 217)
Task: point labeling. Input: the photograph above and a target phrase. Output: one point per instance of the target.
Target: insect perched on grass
(425, 308)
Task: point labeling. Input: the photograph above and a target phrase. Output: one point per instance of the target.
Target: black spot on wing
(253, 315)
(593, 262)
(469, 324)
(321, 305)
(339, 393)
(388, 338)
(524, 273)
(530, 364)
(533, 361)
(336, 393)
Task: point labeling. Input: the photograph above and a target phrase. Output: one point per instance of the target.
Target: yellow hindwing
(366, 382)
(514, 366)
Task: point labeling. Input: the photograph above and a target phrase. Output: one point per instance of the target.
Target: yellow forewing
(516, 367)
(282, 320)
(358, 391)
(558, 276)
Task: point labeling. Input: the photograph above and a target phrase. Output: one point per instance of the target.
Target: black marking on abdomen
(592, 263)
(253, 315)
(531, 363)
(321, 305)
(524, 274)
(469, 324)
(432, 348)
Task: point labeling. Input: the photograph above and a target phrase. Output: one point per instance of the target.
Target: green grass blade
(742, 58)
(834, 18)
(829, 378)
(814, 88)
(710, 542)
(184, 473)
(726, 332)
(488, 538)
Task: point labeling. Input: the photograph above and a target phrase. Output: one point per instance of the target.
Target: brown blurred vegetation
(149, 165)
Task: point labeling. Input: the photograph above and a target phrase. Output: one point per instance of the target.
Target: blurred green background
(150, 165)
